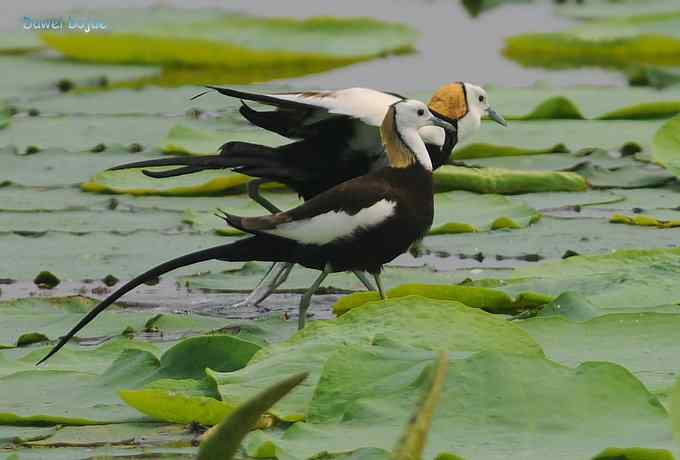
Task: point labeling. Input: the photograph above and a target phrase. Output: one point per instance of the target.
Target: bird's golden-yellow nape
(398, 153)
(450, 101)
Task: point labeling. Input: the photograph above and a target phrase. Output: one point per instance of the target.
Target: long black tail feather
(262, 248)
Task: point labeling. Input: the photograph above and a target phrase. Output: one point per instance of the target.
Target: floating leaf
(212, 38)
(506, 181)
(413, 321)
(486, 299)
(667, 146)
(641, 342)
(646, 220)
(491, 404)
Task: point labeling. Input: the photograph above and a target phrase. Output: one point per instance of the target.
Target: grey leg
(378, 282)
(254, 193)
(307, 297)
(271, 280)
(364, 280)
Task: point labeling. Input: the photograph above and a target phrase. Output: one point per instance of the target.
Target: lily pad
(413, 321)
(549, 238)
(641, 342)
(133, 182)
(213, 38)
(625, 279)
(618, 42)
(629, 176)
(506, 181)
(186, 139)
(667, 146)
(575, 135)
(486, 299)
(659, 219)
(88, 398)
(491, 406)
(95, 255)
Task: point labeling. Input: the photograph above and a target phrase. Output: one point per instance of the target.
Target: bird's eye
(421, 112)
(481, 98)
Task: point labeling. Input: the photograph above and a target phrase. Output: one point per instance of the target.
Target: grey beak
(436, 121)
(495, 116)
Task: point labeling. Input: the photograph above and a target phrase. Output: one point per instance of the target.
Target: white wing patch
(368, 105)
(333, 225)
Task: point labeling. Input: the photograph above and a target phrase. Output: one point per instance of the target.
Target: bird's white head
(400, 136)
(466, 104)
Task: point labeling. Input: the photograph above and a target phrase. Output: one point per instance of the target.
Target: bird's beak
(495, 116)
(436, 121)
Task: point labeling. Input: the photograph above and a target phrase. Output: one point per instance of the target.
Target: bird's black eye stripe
(481, 98)
(421, 112)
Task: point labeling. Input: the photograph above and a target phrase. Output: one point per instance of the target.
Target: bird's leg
(254, 194)
(378, 282)
(364, 280)
(307, 296)
(271, 280)
(283, 274)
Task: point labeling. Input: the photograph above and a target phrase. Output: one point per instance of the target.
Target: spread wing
(331, 215)
(304, 114)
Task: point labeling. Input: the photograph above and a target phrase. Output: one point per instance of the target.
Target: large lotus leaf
(31, 320)
(555, 200)
(557, 161)
(28, 77)
(657, 219)
(629, 176)
(57, 167)
(644, 343)
(486, 299)
(155, 101)
(133, 182)
(84, 133)
(549, 238)
(636, 279)
(667, 146)
(667, 197)
(95, 255)
(206, 140)
(89, 359)
(493, 406)
(584, 102)
(618, 8)
(121, 434)
(22, 199)
(413, 321)
(18, 434)
(246, 278)
(80, 398)
(506, 181)
(619, 42)
(81, 222)
(459, 212)
(213, 38)
(574, 134)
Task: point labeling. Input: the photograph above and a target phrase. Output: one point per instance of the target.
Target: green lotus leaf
(410, 321)
(486, 299)
(491, 404)
(641, 342)
(210, 38)
(506, 181)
